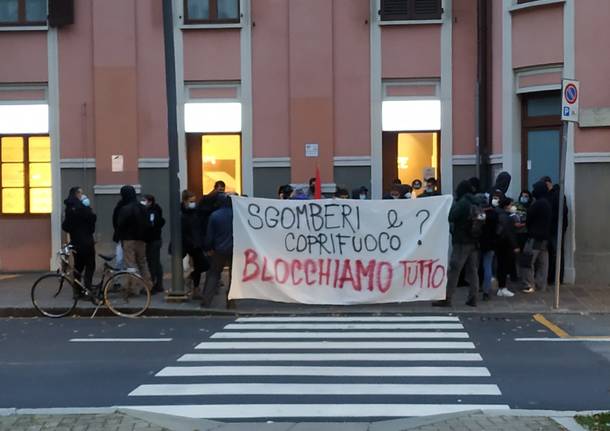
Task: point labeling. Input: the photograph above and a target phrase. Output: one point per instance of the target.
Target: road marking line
(351, 319)
(119, 340)
(312, 389)
(324, 371)
(357, 345)
(242, 411)
(389, 325)
(588, 339)
(365, 335)
(251, 357)
(551, 326)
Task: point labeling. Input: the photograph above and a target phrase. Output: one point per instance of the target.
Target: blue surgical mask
(85, 201)
(524, 199)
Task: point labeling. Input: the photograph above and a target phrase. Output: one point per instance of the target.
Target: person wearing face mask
(507, 246)
(192, 239)
(154, 216)
(488, 242)
(360, 193)
(520, 216)
(79, 223)
(431, 188)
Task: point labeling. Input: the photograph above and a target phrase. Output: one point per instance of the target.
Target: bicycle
(123, 291)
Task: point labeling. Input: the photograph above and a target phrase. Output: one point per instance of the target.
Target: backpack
(477, 221)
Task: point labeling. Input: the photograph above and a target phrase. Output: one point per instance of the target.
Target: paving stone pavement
(87, 422)
(476, 422)
(122, 422)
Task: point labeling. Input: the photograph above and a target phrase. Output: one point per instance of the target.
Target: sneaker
(528, 290)
(442, 303)
(505, 292)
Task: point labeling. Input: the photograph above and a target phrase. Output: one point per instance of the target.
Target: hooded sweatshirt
(539, 214)
(131, 222)
(459, 216)
(502, 183)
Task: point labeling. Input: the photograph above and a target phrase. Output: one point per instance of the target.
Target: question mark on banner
(421, 225)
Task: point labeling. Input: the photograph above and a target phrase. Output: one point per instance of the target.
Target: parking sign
(569, 100)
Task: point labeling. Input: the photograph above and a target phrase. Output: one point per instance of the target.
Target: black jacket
(154, 217)
(539, 215)
(131, 223)
(553, 198)
(79, 222)
(206, 206)
(460, 215)
(507, 238)
(191, 230)
(489, 238)
(219, 236)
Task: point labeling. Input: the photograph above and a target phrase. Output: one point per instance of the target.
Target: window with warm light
(25, 175)
(221, 160)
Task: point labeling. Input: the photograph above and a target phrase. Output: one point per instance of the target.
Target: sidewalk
(126, 419)
(15, 301)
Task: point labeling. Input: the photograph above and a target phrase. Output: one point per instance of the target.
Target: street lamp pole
(177, 289)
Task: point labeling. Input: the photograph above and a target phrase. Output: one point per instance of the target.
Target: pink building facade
(268, 90)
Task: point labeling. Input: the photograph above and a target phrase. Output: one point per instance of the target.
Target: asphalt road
(302, 368)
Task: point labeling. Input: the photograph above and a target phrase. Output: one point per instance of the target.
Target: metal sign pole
(562, 179)
(177, 290)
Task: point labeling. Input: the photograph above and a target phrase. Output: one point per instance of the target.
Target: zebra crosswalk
(330, 367)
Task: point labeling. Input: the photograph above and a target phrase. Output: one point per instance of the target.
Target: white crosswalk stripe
(324, 367)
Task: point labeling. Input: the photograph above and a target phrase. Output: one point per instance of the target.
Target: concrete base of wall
(591, 202)
(353, 177)
(267, 181)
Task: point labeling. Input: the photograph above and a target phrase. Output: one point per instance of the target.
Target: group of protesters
(207, 237)
(495, 237)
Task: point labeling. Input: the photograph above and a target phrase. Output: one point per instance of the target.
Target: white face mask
(192, 205)
(495, 202)
(143, 202)
(408, 195)
(362, 197)
(513, 210)
(85, 201)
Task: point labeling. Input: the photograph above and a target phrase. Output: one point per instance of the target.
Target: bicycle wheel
(53, 295)
(127, 294)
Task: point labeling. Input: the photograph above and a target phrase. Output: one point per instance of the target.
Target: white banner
(340, 251)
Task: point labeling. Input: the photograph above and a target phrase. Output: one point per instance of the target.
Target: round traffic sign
(571, 93)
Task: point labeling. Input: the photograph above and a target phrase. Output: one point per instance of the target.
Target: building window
(23, 12)
(211, 11)
(25, 175)
(525, 1)
(402, 10)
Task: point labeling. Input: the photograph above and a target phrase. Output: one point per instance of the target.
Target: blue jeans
(488, 263)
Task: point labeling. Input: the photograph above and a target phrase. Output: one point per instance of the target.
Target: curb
(19, 312)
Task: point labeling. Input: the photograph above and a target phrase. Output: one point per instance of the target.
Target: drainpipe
(482, 118)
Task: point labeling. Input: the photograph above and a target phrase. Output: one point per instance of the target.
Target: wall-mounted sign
(569, 100)
(117, 163)
(311, 150)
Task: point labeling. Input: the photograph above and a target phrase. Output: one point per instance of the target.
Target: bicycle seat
(106, 257)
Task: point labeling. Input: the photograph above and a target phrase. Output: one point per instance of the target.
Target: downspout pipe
(482, 105)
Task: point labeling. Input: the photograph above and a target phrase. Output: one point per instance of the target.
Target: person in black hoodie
(79, 223)
(502, 183)
(154, 216)
(192, 239)
(507, 246)
(465, 245)
(553, 198)
(535, 260)
(131, 231)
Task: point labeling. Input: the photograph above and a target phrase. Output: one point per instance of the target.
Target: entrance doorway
(409, 156)
(541, 137)
(211, 158)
